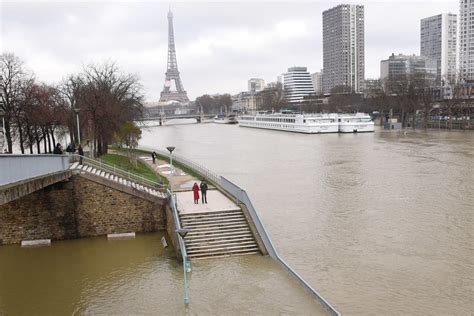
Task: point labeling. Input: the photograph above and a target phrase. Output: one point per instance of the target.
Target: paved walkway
(182, 184)
(216, 202)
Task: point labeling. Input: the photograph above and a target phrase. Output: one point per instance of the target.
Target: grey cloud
(52, 37)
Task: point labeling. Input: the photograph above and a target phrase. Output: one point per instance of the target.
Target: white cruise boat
(355, 123)
(225, 119)
(300, 123)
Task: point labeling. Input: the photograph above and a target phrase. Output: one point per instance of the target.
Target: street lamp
(76, 110)
(170, 149)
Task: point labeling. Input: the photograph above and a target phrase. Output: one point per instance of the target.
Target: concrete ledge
(121, 236)
(36, 243)
(21, 188)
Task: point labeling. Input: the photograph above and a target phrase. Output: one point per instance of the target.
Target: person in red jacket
(196, 193)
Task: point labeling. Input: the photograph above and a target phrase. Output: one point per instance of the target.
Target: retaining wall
(78, 208)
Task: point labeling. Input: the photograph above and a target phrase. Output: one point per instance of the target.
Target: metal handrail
(208, 174)
(182, 245)
(111, 168)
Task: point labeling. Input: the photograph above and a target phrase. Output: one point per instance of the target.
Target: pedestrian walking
(153, 157)
(80, 151)
(58, 149)
(204, 191)
(196, 193)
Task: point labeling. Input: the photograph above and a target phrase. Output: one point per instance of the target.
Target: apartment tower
(438, 42)
(466, 40)
(343, 47)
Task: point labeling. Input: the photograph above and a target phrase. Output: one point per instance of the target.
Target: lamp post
(170, 149)
(76, 110)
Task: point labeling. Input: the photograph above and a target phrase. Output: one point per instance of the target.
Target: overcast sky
(220, 45)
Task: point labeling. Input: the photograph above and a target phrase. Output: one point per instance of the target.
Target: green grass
(177, 164)
(142, 169)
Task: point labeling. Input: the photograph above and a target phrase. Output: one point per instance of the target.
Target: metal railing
(116, 170)
(182, 245)
(241, 196)
(203, 171)
(14, 168)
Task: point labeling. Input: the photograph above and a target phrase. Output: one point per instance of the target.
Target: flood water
(379, 223)
(94, 276)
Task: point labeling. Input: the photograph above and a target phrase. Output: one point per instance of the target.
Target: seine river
(379, 224)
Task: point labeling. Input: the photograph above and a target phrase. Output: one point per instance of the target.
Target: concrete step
(192, 248)
(216, 256)
(213, 221)
(221, 251)
(89, 169)
(192, 220)
(217, 233)
(207, 214)
(74, 165)
(219, 237)
(218, 248)
(216, 225)
(218, 228)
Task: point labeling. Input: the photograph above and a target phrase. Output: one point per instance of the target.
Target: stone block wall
(47, 213)
(103, 210)
(78, 208)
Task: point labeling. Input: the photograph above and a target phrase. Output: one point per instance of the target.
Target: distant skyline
(220, 45)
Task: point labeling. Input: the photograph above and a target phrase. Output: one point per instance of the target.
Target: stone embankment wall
(78, 208)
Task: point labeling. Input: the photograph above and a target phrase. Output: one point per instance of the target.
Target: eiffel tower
(172, 73)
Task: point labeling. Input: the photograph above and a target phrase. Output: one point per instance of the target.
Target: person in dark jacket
(80, 151)
(58, 149)
(153, 156)
(204, 191)
(71, 148)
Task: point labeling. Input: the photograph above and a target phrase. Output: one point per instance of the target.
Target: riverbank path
(217, 228)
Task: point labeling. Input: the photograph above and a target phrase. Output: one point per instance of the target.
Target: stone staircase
(96, 171)
(218, 234)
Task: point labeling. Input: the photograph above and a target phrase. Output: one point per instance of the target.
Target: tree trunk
(53, 139)
(9, 136)
(20, 134)
(38, 145)
(49, 141)
(45, 144)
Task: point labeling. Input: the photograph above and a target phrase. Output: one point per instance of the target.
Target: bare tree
(11, 75)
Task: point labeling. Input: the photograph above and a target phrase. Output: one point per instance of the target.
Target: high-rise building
(256, 85)
(397, 71)
(317, 79)
(466, 40)
(438, 41)
(343, 47)
(297, 84)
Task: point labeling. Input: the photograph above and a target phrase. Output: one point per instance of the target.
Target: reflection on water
(379, 223)
(138, 277)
